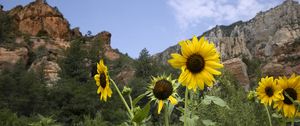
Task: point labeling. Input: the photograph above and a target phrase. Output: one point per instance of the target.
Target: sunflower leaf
(142, 114)
(208, 122)
(276, 115)
(191, 119)
(213, 99)
(137, 99)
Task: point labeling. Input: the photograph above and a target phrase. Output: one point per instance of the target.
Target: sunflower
(102, 81)
(198, 62)
(268, 91)
(290, 86)
(161, 90)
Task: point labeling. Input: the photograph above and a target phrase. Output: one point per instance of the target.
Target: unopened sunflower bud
(126, 90)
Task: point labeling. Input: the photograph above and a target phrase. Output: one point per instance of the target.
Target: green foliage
(8, 118)
(142, 114)
(44, 121)
(253, 70)
(22, 91)
(207, 100)
(208, 122)
(145, 67)
(97, 121)
(241, 112)
(42, 33)
(74, 65)
(7, 28)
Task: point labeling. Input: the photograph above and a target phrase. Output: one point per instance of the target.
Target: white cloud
(191, 13)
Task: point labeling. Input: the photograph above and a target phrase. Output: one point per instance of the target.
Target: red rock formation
(39, 16)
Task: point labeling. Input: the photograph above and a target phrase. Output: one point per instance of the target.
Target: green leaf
(191, 119)
(276, 115)
(208, 122)
(142, 114)
(216, 100)
(137, 99)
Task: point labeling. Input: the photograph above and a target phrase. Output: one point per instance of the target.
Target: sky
(152, 24)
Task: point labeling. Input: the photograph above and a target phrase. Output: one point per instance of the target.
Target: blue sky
(152, 24)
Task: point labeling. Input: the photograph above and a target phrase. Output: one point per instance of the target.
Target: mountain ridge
(272, 37)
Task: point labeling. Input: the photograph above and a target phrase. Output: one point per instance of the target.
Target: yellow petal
(97, 79)
(196, 44)
(99, 90)
(185, 50)
(183, 77)
(201, 41)
(213, 64)
(200, 81)
(173, 100)
(109, 92)
(191, 46)
(178, 61)
(104, 94)
(193, 83)
(212, 71)
(160, 106)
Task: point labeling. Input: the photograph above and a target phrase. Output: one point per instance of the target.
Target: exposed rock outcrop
(49, 68)
(272, 37)
(239, 70)
(11, 57)
(40, 18)
(45, 39)
(105, 38)
(76, 32)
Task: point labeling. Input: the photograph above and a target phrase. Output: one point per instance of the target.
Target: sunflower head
(198, 61)
(162, 89)
(291, 92)
(268, 91)
(102, 81)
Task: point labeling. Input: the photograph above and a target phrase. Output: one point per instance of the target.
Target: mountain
(38, 35)
(271, 37)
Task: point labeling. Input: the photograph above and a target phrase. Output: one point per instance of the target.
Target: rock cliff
(272, 36)
(40, 18)
(42, 37)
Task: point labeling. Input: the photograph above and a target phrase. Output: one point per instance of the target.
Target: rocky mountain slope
(272, 37)
(41, 36)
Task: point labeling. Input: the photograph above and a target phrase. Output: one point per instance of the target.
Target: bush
(241, 112)
(8, 118)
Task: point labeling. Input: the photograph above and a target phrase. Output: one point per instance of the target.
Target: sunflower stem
(186, 105)
(130, 100)
(166, 115)
(123, 100)
(269, 117)
(293, 121)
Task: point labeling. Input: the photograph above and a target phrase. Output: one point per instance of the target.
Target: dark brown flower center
(292, 93)
(162, 89)
(103, 80)
(269, 91)
(195, 63)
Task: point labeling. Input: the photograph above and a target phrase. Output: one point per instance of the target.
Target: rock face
(272, 37)
(45, 39)
(105, 38)
(40, 18)
(49, 68)
(9, 57)
(239, 70)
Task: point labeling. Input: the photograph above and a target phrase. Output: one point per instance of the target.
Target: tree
(73, 66)
(145, 67)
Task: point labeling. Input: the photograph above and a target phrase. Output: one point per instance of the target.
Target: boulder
(239, 70)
